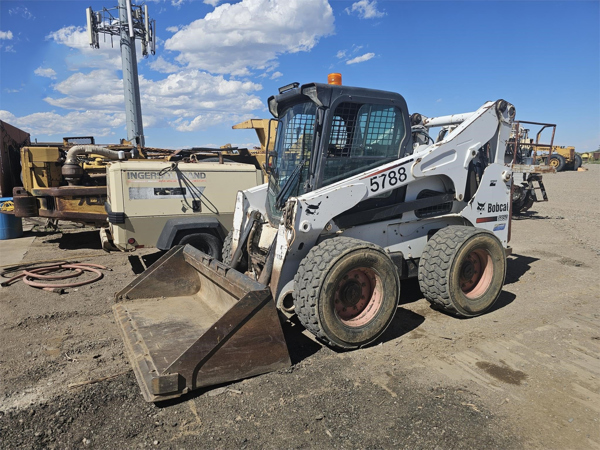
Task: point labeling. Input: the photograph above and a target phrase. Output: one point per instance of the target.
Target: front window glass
(362, 136)
(293, 148)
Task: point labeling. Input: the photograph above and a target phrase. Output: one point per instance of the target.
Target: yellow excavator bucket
(190, 321)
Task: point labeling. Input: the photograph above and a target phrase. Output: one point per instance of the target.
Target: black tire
(523, 199)
(228, 253)
(346, 292)
(205, 242)
(454, 253)
(577, 162)
(557, 161)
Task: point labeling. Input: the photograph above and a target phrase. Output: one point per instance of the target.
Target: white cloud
(6, 34)
(366, 9)
(162, 65)
(172, 29)
(235, 38)
(212, 3)
(362, 58)
(48, 73)
(94, 123)
(187, 101)
(195, 93)
(76, 38)
(21, 11)
(9, 49)
(341, 54)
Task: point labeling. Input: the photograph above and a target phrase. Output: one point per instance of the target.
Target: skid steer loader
(358, 198)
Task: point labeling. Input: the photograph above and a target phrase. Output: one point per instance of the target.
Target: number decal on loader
(393, 177)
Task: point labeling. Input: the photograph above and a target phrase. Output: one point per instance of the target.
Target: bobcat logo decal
(480, 206)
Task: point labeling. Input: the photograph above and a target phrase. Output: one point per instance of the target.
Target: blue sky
(216, 63)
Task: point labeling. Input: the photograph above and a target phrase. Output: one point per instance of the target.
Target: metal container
(10, 226)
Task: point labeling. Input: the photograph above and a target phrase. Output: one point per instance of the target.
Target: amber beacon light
(334, 78)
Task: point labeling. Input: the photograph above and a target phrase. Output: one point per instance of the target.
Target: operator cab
(327, 133)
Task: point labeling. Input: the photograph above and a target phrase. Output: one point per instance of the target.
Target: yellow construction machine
(561, 158)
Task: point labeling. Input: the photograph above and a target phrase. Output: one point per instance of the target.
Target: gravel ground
(526, 375)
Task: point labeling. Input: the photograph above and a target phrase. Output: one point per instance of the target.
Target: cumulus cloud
(6, 34)
(162, 65)
(200, 86)
(187, 101)
(96, 123)
(362, 58)
(365, 9)
(173, 29)
(48, 73)
(88, 57)
(236, 38)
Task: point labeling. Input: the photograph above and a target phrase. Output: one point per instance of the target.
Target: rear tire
(557, 161)
(462, 270)
(577, 162)
(205, 242)
(346, 292)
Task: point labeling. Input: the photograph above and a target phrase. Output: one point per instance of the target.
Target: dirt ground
(526, 375)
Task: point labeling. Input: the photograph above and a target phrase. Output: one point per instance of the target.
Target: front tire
(557, 161)
(228, 253)
(462, 270)
(577, 163)
(346, 292)
(523, 199)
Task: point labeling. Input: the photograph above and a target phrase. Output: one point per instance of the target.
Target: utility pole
(131, 22)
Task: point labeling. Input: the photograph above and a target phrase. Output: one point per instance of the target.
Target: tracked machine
(359, 197)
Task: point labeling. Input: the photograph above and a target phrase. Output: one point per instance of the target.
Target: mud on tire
(462, 270)
(346, 292)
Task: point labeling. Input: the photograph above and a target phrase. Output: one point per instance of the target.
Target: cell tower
(128, 23)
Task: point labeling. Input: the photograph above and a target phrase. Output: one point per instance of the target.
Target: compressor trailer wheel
(346, 292)
(462, 270)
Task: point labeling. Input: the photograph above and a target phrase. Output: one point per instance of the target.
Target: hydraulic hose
(53, 272)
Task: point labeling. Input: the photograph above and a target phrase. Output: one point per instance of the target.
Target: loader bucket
(190, 321)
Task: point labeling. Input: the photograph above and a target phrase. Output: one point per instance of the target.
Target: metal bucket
(190, 321)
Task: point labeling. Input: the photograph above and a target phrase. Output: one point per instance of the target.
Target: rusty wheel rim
(554, 162)
(476, 273)
(358, 297)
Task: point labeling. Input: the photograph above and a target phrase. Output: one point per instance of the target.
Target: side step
(189, 322)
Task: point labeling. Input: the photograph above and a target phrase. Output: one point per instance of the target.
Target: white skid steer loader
(359, 197)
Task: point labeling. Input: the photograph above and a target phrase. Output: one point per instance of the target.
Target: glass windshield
(293, 148)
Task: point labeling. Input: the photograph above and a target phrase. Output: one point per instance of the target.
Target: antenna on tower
(129, 22)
